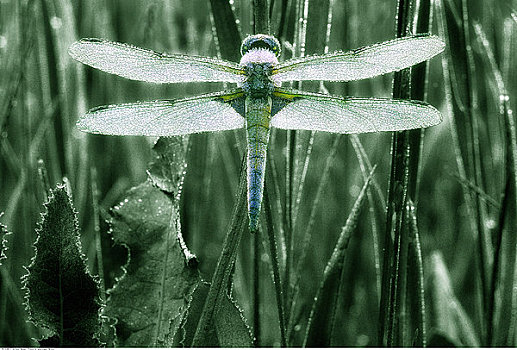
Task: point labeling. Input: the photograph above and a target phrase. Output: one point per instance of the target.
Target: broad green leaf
(167, 169)
(447, 315)
(185, 334)
(230, 324)
(147, 304)
(62, 296)
(228, 329)
(322, 317)
(149, 299)
(167, 172)
(156, 295)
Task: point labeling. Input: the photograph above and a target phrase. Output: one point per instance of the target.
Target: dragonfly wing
(212, 112)
(362, 63)
(146, 65)
(309, 111)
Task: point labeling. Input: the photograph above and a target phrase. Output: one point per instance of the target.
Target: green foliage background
(465, 196)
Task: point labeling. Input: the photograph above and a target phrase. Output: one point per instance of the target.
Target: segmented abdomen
(258, 115)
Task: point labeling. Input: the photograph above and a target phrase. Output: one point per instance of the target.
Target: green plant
(430, 260)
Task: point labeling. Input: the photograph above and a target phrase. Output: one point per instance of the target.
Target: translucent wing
(362, 63)
(140, 64)
(308, 111)
(212, 112)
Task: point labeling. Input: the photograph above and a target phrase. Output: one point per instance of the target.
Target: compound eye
(260, 41)
(276, 50)
(245, 47)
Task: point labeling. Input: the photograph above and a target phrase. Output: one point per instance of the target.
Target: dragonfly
(258, 102)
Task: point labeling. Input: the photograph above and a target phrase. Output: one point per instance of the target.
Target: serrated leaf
(167, 169)
(149, 299)
(228, 329)
(230, 324)
(447, 315)
(185, 333)
(61, 295)
(322, 317)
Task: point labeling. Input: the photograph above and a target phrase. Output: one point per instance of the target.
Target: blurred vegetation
(458, 216)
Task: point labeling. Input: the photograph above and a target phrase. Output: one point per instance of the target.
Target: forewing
(146, 65)
(212, 112)
(308, 111)
(362, 63)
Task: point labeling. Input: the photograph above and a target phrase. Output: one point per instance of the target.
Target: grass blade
(415, 290)
(224, 264)
(460, 84)
(228, 36)
(501, 286)
(15, 331)
(376, 209)
(448, 318)
(396, 239)
(320, 326)
(306, 240)
(276, 270)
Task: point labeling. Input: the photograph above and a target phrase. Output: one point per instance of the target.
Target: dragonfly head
(261, 41)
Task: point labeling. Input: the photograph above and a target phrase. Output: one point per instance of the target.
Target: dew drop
(56, 22)
(490, 223)
(354, 190)
(504, 98)
(362, 340)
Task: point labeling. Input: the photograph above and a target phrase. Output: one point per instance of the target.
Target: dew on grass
(56, 22)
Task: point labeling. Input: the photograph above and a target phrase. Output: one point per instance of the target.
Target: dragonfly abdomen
(258, 115)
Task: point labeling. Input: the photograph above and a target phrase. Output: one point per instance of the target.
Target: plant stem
(276, 270)
(225, 262)
(261, 16)
(396, 238)
(96, 228)
(416, 278)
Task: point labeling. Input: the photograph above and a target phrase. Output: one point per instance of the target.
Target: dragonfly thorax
(258, 81)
